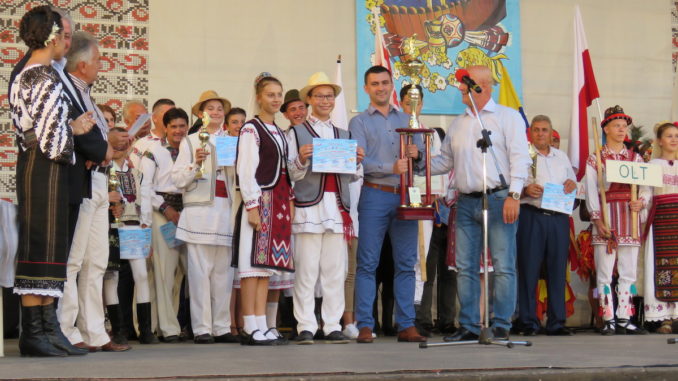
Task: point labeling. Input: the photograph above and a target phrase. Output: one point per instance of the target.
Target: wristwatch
(514, 195)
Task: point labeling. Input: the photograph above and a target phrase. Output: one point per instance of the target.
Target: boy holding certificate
(205, 224)
(322, 225)
(612, 237)
(543, 233)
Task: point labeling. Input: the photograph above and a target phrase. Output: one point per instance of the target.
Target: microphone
(462, 75)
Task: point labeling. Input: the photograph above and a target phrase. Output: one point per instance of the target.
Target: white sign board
(629, 172)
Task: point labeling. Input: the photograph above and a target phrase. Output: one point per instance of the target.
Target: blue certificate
(169, 233)
(135, 242)
(555, 198)
(334, 156)
(226, 146)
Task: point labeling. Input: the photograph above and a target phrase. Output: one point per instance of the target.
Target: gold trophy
(204, 137)
(414, 210)
(113, 184)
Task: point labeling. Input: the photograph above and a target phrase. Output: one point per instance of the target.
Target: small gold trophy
(417, 208)
(533, 155)
(113, 184)
(204, 137)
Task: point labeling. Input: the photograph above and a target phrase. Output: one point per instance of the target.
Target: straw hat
(210, 95)
(318, 79)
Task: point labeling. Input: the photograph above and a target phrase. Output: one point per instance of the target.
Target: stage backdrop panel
(448, 34)
(120, 26)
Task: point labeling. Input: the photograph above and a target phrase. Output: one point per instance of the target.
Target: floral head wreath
(261, 76)
(52, 34)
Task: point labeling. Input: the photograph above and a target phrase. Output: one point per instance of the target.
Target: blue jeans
(377, 215)
(502, 242)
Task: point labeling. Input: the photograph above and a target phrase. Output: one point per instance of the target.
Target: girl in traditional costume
(264, 218)
(661, 247)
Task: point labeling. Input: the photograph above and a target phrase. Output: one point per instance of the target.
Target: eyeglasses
(328, 98)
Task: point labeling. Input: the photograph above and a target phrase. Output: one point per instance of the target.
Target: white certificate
(334, 156)
(555, 198)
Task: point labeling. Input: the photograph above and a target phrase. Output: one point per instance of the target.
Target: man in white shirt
(82, 302)
(459, 152)
(543, 234)
(161, 202)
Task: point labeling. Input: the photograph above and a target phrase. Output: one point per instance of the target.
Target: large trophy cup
(113, 184)
(412, 205)
(204, 137)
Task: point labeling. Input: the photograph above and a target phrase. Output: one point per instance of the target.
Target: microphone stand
(486, 336)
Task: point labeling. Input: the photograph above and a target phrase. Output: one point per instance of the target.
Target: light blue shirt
(376, 133)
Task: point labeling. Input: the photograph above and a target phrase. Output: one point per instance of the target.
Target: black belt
(100, 169)
(543, 211)
(480, 194)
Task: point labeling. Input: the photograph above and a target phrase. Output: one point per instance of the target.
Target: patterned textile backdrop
(447, 35)
(121, 26)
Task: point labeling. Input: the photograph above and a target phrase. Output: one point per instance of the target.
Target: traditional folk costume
(205, 225)
(158, 192)
(40, 114)
(322, 227)
(83, 292)
(128, 177)
(261, 165)
(622, 248)
(141, 146)
(661, 249)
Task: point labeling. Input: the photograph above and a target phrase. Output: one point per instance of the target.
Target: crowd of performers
(269, 224)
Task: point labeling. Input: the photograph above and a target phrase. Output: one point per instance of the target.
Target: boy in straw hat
(205, 223)
(322, 225)
(612, 239)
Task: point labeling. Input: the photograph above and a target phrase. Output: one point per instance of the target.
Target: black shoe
(146, 335)
(424, 329)
(499, 333)
(52, 329)
(336, 337)
(447, 329)
(248, 339)
(562, 331)
(529, 332)
(205, 338)
(608, 328)
(33, 341)
(280, 339)
(304, 338)
(227, 338)
(462, 334)
(625, 327)
(171, 339)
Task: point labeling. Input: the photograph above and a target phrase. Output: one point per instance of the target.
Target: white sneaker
(351, 331)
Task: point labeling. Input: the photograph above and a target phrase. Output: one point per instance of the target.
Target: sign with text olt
(628, 172)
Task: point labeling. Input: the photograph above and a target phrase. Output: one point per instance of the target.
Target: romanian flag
(507, 94)
(381, 55)
(584, 91)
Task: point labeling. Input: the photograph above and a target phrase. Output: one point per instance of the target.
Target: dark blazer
(90, 146)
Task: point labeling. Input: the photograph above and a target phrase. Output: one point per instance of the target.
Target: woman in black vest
(262, 231)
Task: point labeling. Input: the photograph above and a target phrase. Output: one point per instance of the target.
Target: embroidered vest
(309, 190)
(272, 157)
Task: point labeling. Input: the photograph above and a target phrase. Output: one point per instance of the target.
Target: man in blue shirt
(374, 129)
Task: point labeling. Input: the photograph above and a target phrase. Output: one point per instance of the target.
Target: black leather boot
(118, 335)
(33, 341)
(52, 328)
(146, 335)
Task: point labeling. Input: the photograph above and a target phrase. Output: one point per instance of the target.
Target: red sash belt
(221, 189)
(332, 186)
(613, 196)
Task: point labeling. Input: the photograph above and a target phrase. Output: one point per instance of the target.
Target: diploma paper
(135, 242)
(141, 120)
(169, 232)
(335, 156)
(226, 146)
(554, 198)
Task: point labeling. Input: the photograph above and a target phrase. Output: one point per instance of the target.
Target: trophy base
(415, 213)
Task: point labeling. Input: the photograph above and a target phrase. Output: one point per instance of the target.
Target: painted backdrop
(448, 35)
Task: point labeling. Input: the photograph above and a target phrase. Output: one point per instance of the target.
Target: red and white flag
(585, 90)
(340, 112)
(381, 55)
